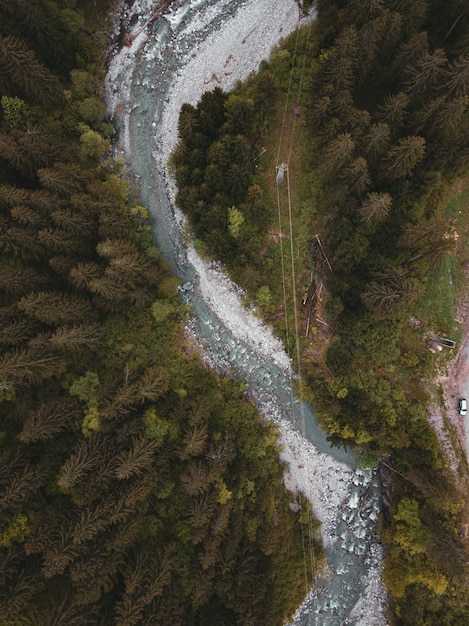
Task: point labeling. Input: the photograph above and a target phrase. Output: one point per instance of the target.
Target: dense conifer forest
(136, 486)
(384, 135)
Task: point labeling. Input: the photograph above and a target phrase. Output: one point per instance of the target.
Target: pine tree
(375, 207)
(197, 479)
(201, 510)
(17, 488)
(77, 224)
(361, 12)
(389, 298)
(413, 14)
(320, 113)
(450, 117)
(95, 574)
(18, 587)
(136, 490)
(425, 74)
(60, 241)
(92, 521)
(11, 196)
(457, 77)
(129, 609)
(403, 157)
(77, 338)
(194, 441)
(44, 423)
(111, 292)
(65, 610)
(339, 153)
(124, 534)
(30, 149)
(17, 333)
(28, 216)
(21, 280)
(121, 403)
(62, 265)
(356, 176)
(188, 121)
(83, 460)
(22, 243)
(129, 267)
(84, 273)
(64, 179)
(115, 248)
(52, 307)
(13, 155)
(409, 54)
(338, 70)
(138, 459)
(376, 141)
(221, 521)
(153, 384)
(423, 119)
(392, 111)
(29, 365)
(22, 73)
(431, 239)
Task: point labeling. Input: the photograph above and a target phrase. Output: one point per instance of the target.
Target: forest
(136, 486)
(382, 91)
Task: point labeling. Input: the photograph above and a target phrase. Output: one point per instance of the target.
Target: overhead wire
(308, 551)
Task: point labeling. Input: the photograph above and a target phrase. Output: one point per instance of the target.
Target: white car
(462, 406)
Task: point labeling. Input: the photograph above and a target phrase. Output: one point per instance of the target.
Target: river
(196, 45)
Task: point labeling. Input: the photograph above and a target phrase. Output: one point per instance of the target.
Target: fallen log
(129, 37)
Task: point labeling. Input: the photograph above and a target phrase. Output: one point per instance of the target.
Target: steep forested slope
(136, 487)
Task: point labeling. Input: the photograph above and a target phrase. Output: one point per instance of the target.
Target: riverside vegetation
(384, 134)
(136, 486)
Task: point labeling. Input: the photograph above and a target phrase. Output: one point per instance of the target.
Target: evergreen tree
(376, 141)
(17, 332)
(392, 111)
(457, 77)
(426, 73)
(403, 157)
(339, 153)
(77, 338)
(64, 179)
(52, 307)
(21, 74)
(29, 365)
(138, 459)
(194, 441)
(356, 176)
(375, 207)
(83, 460)
(361, 13)
(21, 280)
(339, 68)
(45, 422)
(388, 298)
(188, 121)
(84, 274)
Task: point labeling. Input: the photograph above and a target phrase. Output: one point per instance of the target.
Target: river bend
(186, 51)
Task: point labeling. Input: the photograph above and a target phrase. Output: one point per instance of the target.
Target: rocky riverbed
(192, 47)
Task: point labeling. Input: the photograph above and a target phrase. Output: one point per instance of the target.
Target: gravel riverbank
(197, 45)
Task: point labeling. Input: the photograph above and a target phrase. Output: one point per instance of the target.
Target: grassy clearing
(438, 308)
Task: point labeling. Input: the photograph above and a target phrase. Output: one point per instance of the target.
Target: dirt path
(455, 385)
(458, 385)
